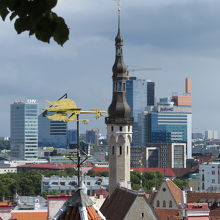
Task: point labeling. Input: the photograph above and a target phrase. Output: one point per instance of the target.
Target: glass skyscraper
(170, 124)
(136, 95)
(24, 130)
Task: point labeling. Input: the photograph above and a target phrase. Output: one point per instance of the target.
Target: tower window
(120, 128)
(123, 88)
(112, 128)
(115, 87)
(127, 149)
(113, 149)
(120, 150)
(128, 128)
(119, 89)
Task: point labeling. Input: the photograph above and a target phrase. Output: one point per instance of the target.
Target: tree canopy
(36, 17)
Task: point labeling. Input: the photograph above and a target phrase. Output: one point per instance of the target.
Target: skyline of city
(40, 65)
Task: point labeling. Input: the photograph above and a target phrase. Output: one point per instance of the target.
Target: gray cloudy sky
(181, 37)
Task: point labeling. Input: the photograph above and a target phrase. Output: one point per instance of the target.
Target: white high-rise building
(211, 134)
(24, 130)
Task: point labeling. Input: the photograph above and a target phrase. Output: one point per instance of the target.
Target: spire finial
(119, 10)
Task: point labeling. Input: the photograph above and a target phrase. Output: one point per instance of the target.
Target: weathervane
(66, 110)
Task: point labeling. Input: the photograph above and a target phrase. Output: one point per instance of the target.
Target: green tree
(70, 171)
(36, 17)
(180, 183)
(50, 193)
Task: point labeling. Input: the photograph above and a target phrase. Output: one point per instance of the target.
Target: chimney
(188, 85)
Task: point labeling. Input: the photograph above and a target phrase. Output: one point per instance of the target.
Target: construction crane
(141, 69)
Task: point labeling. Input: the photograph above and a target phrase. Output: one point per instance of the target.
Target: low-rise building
(69, 184)
(127, 205)
(210, 176)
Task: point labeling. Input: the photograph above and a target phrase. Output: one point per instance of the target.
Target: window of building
(88, 183)
(127, 150)
(203, 186)
(213, 172)
(203, 177)
(119, 89)
(123, 87)
(142, 215)
(164, 203)
(120, 128)
(113, 150)
(170, 204)
(158, 203)
(112, 128)
(120, 150)
(128, 128)
(213, 180)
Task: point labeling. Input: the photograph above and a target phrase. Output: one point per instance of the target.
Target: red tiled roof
(73, 213)
(196, 197)
(101, 192)
(57, 166)
(100, 169)
(199, 218)
(29, 215)
(168, 171)
(198, 207)
(168, 214)
(175, 190)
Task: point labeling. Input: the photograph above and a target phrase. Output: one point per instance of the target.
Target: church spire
(119, 110)
(119, 121)
(119, 67)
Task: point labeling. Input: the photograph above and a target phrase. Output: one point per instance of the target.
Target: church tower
(119, 122)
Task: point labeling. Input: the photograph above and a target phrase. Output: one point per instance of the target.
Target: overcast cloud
(181, 37)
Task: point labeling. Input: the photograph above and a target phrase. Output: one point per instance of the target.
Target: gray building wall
(140, 210)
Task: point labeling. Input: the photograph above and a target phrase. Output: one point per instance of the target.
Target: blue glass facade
(136, 95)
(167, 127)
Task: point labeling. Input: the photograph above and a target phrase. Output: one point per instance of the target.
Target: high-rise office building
(211, 134)
(170, 124)
(51, 133)
(92, 136)
(170, 121)
(139, 93)
(165, 155)
(150, 93)
(72, 136)
(159, 155)
(24, 130)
